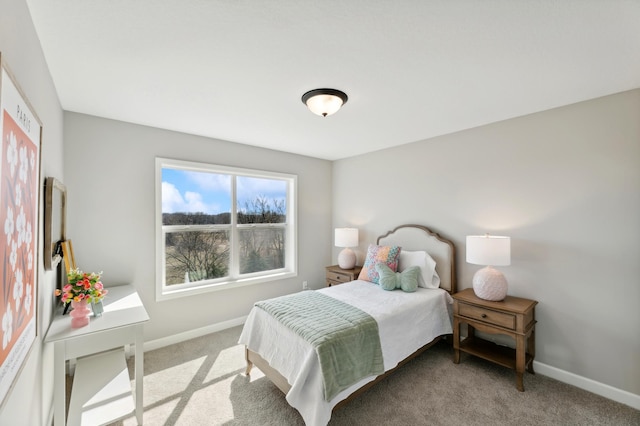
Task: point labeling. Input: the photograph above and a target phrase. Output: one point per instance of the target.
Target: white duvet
(406, 322)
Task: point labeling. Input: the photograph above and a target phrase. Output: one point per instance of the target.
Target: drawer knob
(483, 315)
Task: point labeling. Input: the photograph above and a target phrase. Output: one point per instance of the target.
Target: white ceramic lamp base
(347, 259)
(490, 284)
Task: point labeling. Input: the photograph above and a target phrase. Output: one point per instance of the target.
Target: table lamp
(346, 237)
(489, 250)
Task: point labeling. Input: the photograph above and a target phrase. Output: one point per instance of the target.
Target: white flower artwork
(20, 130)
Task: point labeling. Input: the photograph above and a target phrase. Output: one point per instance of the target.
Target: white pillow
(428, 277)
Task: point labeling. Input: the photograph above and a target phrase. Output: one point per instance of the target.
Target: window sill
(168, 294)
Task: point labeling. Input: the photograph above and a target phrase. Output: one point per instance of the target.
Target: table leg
(456, 340)
(139, 373)
(531, 350)
(520, 361)
(59, 393)
(471, 331)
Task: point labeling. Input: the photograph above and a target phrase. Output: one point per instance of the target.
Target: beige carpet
(201, 382)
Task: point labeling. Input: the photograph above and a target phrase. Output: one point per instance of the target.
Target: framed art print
(19, 206)
(55, 219)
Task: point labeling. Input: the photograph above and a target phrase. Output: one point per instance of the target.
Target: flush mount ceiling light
(324, 101)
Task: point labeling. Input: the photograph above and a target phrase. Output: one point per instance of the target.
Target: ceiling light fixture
(324, 101)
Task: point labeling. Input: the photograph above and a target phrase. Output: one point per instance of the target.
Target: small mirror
(55, 216)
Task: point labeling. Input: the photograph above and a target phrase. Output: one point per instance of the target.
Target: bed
(408, 322)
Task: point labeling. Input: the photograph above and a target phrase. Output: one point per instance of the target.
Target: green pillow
(406, 280)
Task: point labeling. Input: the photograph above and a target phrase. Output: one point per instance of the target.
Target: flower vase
(79, 314)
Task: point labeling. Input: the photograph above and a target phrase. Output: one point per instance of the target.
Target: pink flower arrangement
(82, 286)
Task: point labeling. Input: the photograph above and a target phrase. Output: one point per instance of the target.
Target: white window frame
(234, 280)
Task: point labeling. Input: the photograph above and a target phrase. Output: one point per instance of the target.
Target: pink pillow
(379, 254)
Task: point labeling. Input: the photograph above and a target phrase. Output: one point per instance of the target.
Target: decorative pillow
(376, 254)
(406, 280)
(428, 277)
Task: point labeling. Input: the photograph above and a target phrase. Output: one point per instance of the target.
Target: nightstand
(336, 275)
(513, 316)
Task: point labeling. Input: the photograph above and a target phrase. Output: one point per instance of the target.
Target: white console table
(104, 338)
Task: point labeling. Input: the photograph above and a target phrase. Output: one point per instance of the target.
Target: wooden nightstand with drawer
(513, 316)
(336, 275)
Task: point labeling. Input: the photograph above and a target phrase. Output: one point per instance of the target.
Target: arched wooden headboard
(418, 237)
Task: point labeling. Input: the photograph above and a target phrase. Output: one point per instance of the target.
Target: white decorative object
(490, 250)
(346, 237)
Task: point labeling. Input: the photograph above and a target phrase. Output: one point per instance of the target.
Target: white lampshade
(346, 237)
(488, 250)
(324, 102)
(488, 282)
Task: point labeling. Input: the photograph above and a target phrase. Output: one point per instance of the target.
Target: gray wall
(565, 185)
(29, 402)
(110, 172)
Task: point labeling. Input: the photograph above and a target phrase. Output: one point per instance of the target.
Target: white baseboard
(592, 386)
(598, 388)
(192, 334)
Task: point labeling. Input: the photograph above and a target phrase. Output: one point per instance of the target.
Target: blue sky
(191, 191)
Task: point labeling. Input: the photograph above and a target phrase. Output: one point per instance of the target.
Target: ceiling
(413, 69)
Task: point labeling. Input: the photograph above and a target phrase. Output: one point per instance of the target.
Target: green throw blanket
(345, 338)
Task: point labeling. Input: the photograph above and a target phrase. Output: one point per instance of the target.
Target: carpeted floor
(201, 382)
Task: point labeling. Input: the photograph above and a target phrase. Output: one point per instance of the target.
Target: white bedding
(406, 321)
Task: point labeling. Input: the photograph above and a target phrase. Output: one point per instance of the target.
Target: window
(219, 227)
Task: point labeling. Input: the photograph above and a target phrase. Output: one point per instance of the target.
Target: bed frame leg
(249, 363)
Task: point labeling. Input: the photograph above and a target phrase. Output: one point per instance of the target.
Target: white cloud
(191, 202)
(171, 198)
(250, 188)
(194, 202)
(210, 181)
